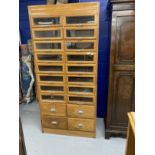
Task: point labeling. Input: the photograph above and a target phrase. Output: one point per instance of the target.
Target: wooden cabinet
(122, 68)
(65, 42)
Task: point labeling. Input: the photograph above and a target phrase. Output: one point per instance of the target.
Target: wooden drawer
(49, 68)
(48, 45)
(48, 57)
(88, 90)
(80, 45)
(79, 58)
(51, 88)
(81, 99)
(47, 33)
(52, 98)
(81, 69)
(81, 124)
(82, 111)
(54, 109)
(81, 80)
(80, 32)
(50, 78)
(54, 122)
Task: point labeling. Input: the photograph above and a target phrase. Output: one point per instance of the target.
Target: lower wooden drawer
(82, 111)
(54, 122)
(81, 124)
(54, 109)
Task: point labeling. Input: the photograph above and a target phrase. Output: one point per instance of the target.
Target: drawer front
(50, 78)
(48, 57)
(80, 69)
(54, 122)
(80, 33)
(49, 68)
(48, 46)
(88, 90)
(47, 33)
(81, 80)
(51, 88)
(54, 109)
(81, 111)
(80, 45)
(81, 99)
(81, 124)
(79, 58)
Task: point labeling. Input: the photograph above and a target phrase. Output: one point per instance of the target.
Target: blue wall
(104, 45)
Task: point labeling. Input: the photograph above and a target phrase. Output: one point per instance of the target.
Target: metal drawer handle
(53, 110)
(81, 112)
(80, 125)
(54, 123)
(45, 23)
(90, 53)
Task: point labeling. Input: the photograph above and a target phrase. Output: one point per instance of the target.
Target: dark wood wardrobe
(121, 91)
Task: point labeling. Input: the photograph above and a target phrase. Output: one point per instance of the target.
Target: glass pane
(51, 78)
(52, 88)
(81, 99)
(81, 89)
(80, 20)
(80, 69)
(48, 45)
(80, 45)
(80, 79)
(46, 21)
(80, 33)
(50, 68)
(49, 57)
(47, 34)
(80, 57)
(52, 97)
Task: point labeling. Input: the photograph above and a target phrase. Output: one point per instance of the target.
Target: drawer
(80, 45)
(52, 98)
(50, 78)
(79, 58)
(54, 109)
(51, 88)
(82, 111)
(81, 124)
(88, 90)
(81, 99)
(47, 33)
(81, 79)
(46, 21)
(49, 68)
(48, 57)
(81, 69)
(80, 32)
(48, 46)
(54, 122)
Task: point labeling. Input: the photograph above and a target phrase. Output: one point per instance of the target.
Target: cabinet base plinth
(113, 133)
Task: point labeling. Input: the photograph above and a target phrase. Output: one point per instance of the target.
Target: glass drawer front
(80, 19)
(83, 69)
(86, 90)
(48, 46)
(46, 21)
(55, 98)
(80, 33)
(75, 99)
(51, 79)
(80, 79)
(51, 88)
(81, 58)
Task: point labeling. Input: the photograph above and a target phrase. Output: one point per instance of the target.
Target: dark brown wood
(122, 69)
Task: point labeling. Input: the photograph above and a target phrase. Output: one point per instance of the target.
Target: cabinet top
(121, 1)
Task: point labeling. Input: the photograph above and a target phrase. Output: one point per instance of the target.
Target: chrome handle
(54, 122)
(53, 110)
(80, 125)
(90, 53)
(81, 112)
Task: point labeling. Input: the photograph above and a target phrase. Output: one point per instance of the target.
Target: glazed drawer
(88, 90)
(52, 98)
(54, 109)
(81, 79)
(81, 111)
(48, 46)
(81, 124)
(78, 58)
(80, 32)
(50, 78)
(47, 33)
(48, 57)
(54, 122)
(81, 99)
(49, 68)
(80, 69)
(51, 88)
